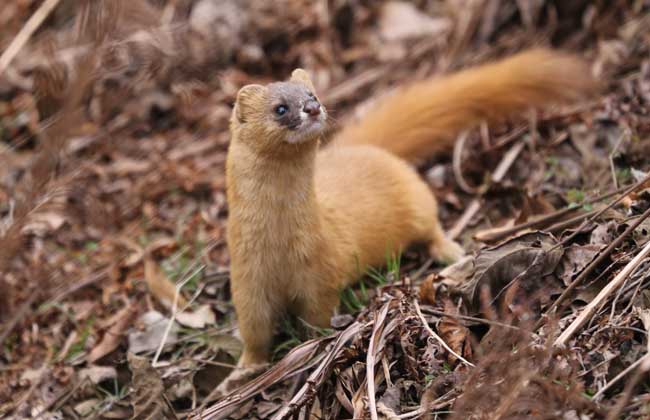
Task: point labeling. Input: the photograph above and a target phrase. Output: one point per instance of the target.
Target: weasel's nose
(312, 108)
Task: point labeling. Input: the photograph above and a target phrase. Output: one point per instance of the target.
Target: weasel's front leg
(257, 316)
(443, 249)
(318, 305)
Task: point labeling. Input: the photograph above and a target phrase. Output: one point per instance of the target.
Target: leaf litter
(113, 134)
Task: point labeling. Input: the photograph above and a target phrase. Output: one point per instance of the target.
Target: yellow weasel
(304, 222)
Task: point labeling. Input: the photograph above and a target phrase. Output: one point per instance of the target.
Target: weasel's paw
(238, 377)
(252, 359)
(447, 252)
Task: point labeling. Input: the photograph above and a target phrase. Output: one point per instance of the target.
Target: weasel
(304, 223)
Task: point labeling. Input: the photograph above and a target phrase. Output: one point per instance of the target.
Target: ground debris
(148, 397)
(113, 134)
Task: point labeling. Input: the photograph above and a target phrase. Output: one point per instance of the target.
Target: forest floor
(114, 286)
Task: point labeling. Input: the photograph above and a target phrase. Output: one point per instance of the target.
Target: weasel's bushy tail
(424, 118)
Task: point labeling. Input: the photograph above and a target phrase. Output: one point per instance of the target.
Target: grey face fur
(295, 107)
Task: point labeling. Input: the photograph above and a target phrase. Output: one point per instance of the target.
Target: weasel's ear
(301, 76)
(249, 100)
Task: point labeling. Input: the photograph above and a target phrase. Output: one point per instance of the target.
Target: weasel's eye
(281, 110)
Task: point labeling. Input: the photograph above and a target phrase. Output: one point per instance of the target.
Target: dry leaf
(148, 399)
(43, 222)
(428, 289)
(456, 336)
(401, 20)
(644, 315)
(125, 165)
(113, 337)
(459, 272)
(603, 234)
(575, 259)
(152, 334)
(198, 319)
(159, 285)
(528, 258)
(87, 407)
(97, 374)
(388, 406)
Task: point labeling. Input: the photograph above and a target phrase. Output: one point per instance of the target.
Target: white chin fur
(308, 130)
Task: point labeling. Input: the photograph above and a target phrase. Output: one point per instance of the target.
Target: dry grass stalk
(370, 360)
(498, 233)
(433, 334)
(517, 379)
(95, 24)
(295, 360)
(35, 190)
(592, 266)
(591, 308)
(26, 32)
(319, 373)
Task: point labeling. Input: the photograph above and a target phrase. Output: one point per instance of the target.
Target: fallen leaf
(164, 242)
(148, 399)
(159, 285)
(641, 234)
(43, 222)
(428, 291)
(152, 334)
(459, 272)
(86, 408)
(97, 374)
(575, 259)
(454, 334)
(401, 20)
(198, 319)
(644, 315)
(603, 234)
(125, 165)
(113, 337)
(266, 409)
(527, 258)
(388, 406)
(33, 375)
(340, 321)
(227, 343)
(182, 389)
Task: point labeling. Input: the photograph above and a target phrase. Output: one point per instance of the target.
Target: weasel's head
(280, 114)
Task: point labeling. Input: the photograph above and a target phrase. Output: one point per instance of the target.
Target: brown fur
(407, 123)
(304, 223)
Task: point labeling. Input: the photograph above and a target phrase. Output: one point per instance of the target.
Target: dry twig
(26, 32)
(588, 311)
(498, 233)
(439, 339)
(500, 171)
(587, 270)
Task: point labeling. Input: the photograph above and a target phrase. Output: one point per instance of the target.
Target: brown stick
(498, 233)
(469, 318)
(26, 32)
(560, 226)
